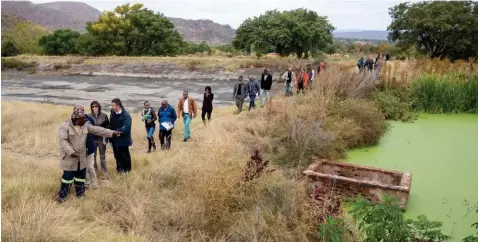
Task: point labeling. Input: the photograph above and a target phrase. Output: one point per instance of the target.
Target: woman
(167, 117)
(207, 105)
(100, 119)
(302, 80)
(149, 118)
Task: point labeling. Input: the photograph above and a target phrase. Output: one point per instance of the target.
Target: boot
(153, 144)
(149, 145)
(63, 193)
(79, 188)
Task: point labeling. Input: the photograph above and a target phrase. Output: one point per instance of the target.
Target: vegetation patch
(13, 63)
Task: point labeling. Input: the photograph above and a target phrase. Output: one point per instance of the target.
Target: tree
(8, 48)
(25, 37)
(60, 42)
(135, 30)
(193, 48)
(438, 29)
(87, 44)
(299, 31)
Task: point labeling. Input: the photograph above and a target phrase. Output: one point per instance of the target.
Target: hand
(116, 133)
(192, 115)
(74, 154)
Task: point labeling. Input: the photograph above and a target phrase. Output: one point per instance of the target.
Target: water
(441, 152)
(133, 92)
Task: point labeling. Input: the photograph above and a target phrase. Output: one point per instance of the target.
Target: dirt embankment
(174, 68)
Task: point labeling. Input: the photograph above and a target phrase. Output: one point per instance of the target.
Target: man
(239, 93)
(120, 120)
(361, 64)
(266, 84)
(72, 137)
(369, 64)
(311, 74)
(188, 110)
(288, 77)
(253, 89)
(166, 118)
(100, 119)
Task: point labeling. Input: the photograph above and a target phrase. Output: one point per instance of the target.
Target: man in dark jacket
(100, 119)
(90, 157)
(166, 118)
(120, 120)
(266, 84)
(239, 93)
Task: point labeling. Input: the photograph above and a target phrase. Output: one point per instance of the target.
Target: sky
(343, 14)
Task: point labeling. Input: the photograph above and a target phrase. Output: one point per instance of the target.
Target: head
(185, 94)
(116, 105)
(250, 78)
(240, 79)
(207, 89)
(95, 107)
(78, 117)
(290, 69)
(266, 71)
(147, 105)
(164, 103)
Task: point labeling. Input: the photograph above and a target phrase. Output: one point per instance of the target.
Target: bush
(60, 42)
(447, 94)
(9, 49)
(395, 104)
(12, 63)
(194, 48)
(60, 66)
(385, 222)
(333, 230)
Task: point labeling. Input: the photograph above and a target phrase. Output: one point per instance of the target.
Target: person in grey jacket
(253, 89)
(100, 119)
(240, 93)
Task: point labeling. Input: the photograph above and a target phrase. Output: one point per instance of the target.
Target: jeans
(187, 121)
(150, 131)
(72, 177)
(265, 94)
(123, 158)
(288, 89)
(102, 150)
(252, 103)
(90, 170)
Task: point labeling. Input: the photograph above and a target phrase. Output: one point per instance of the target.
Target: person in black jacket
(100, 119)
(266, 84)
(120, 121)
(207, 105)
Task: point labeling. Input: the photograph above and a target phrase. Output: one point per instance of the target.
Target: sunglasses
(95, 106)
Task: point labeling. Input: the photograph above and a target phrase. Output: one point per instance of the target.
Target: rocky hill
(74, 15)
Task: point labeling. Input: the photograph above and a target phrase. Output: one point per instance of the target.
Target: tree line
(434, 29)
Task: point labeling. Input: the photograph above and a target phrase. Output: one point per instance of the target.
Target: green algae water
(441, 152)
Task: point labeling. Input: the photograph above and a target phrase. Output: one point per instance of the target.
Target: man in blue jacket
(90, 157)
(120, 120)
(166, 117)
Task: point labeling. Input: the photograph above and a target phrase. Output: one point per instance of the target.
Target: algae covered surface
(441, 152)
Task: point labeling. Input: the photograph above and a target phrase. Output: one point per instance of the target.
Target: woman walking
(207, 105)
(149, 118)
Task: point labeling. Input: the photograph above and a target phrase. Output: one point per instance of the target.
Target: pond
(441, 152)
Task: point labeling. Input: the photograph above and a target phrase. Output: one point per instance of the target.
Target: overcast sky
(343, 14)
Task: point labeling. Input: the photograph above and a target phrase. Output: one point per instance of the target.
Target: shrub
(9, 49)
(385, 222)
(12, 63)
(332, 230)
(473, 238)
(60, 42)
(394, 104)
(60, 66)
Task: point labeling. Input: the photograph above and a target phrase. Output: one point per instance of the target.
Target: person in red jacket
(302, 80)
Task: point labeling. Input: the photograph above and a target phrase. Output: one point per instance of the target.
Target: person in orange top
(188, 110)
(302, 80)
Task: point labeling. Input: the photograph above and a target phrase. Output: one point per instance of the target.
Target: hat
(78, 113)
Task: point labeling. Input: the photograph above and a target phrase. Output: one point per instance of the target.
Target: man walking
(100, 119)
(188, 110)
(72, 137)
(120, 120)
(288, 77)
(266, 84)
(239, 93)
(253, 89)
(166, 118)
(311, 74)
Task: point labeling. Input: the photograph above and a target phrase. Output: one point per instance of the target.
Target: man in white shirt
(188, 110)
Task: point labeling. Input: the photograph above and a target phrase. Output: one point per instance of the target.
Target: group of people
(83, 136)
(369, 64)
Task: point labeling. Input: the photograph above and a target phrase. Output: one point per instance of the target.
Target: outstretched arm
(99, 131)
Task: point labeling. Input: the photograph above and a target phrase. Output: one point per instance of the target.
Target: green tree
(298, 31)
(87, 44)
(135, 30)
(438, 29)
(193, 48)
(60, 42)
(8, 48)
(25, 37)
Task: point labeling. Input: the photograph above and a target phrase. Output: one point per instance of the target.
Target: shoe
(185, 140)
(59, 200)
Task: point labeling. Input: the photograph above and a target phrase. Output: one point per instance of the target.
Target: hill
(74, 15)
(362, 34)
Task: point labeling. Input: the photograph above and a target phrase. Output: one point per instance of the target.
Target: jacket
(90, 139)
(266, 82)
(122, 123)
(193, 109)
(70, 141)
(100, 120)
(150, 115)
(243, 94)
(285, 76)
(207, 102)
(253, 88)
(306, 78)
(166, 115)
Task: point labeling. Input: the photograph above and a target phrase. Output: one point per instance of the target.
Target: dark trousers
(123, 158)
(203, 115)
(300, 87)
(252, 103)
(165, 138)
(72, 177)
